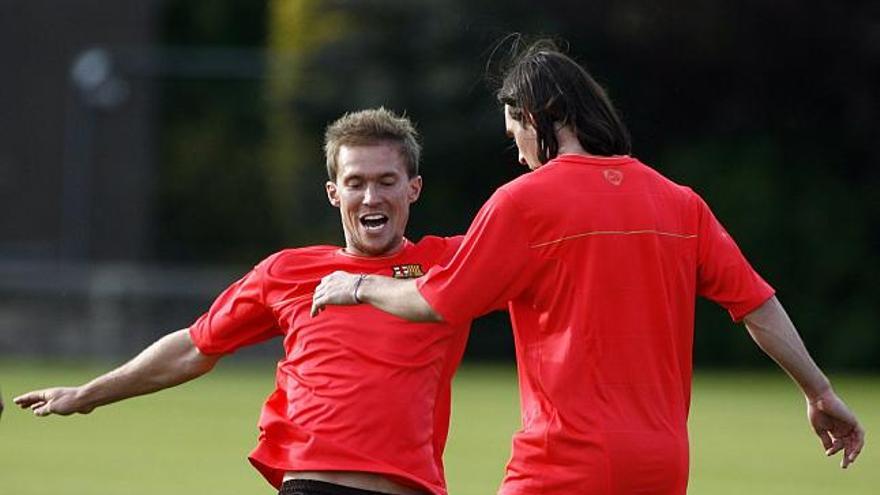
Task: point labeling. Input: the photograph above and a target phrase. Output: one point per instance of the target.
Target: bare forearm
(775, 334)
(169, 361)
(398, 297)
(833, 422)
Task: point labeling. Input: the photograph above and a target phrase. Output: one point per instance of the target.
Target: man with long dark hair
(601, 259)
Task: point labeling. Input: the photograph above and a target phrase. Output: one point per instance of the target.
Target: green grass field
(748, 435)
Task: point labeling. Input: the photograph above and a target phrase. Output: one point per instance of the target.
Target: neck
(569, 143)
(351, 248)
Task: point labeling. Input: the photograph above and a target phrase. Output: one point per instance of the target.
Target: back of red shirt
(602, 259)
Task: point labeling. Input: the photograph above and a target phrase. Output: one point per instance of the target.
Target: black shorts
(313, 487)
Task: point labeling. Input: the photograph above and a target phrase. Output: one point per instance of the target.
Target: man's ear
(332, 193)
(528, 120)
(415, 188)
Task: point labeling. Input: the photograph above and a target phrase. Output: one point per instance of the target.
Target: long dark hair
(545, 88)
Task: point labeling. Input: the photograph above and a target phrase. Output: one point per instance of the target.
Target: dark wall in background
(76, 167)
(769, 110)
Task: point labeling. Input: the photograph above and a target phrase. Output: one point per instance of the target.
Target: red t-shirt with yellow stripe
(602, 259)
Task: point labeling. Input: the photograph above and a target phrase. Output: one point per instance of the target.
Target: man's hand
(836, 426)
(59, 400)
(338, 288)
(169, 361)
(399, 297)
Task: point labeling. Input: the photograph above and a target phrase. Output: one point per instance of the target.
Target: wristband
(357, 285)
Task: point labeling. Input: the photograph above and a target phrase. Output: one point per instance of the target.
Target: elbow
(429, 315)
(423, 312)
(769, 310)
(196, 364)
(183, 359)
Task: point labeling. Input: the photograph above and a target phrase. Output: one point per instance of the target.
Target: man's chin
(378, 248)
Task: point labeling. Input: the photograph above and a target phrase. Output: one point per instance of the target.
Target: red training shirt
(358, 389)
(601, 259)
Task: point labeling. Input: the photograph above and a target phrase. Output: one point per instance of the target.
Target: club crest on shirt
(413, 270)
(615, 177)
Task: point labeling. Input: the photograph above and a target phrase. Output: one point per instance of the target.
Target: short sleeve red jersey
(357, 389)
(601, 260)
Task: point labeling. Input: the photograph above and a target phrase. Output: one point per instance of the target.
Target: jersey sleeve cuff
(740, 311)
(200, 345)
(434, 299)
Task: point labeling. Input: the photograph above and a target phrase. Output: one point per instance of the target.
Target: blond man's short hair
(371, 127)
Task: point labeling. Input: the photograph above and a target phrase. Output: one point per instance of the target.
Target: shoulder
(513, 199)
(542, 183)
(296, 258)
(691, 197)
(517, 186)
(671, 188)
(438, 247)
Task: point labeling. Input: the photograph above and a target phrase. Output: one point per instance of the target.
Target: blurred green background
(748, 435)
(151, 151)
(769, 110)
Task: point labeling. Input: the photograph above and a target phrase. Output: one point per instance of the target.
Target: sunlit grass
(748, 435)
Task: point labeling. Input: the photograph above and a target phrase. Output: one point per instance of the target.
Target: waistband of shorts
(290, 487)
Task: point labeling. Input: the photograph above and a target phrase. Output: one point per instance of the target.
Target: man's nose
(371, 196)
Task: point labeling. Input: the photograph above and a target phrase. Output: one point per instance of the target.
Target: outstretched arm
(398, 297)
(169, 361)
(836, 426)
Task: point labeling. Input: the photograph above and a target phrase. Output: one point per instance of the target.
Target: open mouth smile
(373, 221)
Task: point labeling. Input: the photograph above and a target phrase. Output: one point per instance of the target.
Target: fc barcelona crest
(413, 270)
